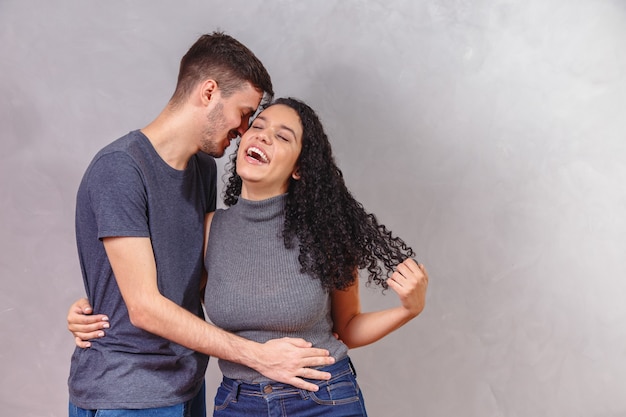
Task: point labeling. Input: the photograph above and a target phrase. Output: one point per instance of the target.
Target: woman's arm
(356, 329)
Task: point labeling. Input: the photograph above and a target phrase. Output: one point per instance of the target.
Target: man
(139, 227)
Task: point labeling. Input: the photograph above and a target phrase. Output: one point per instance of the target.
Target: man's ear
(207, 90)
(296, 174)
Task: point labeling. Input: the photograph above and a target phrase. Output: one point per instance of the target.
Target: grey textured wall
(488, 133)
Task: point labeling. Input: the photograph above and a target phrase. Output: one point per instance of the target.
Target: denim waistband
(337, 370)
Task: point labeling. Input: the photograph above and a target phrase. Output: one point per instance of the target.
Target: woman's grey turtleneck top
(255, 288)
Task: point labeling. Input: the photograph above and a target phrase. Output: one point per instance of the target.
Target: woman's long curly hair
(336, 236)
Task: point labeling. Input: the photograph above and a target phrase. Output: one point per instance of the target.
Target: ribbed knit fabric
(255, 288)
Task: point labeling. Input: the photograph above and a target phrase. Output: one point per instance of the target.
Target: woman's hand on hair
(410, 282)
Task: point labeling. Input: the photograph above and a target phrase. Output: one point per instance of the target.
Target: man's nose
(241, 130)
(243, 127)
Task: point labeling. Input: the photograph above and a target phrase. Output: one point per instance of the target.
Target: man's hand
(83, 325)
(288, 360)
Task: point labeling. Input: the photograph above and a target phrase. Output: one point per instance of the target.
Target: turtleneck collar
(261, 210)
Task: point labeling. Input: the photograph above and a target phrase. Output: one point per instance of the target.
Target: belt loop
(236, 388)
(304, 394)
(351, 366)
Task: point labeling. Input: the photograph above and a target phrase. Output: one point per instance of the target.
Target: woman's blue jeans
(338, 397)
(196, 407)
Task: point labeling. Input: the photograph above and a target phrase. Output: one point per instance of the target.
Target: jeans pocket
(344, 390)
(223, 397)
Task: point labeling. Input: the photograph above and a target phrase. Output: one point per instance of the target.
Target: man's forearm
(165, 318)
(285, 360)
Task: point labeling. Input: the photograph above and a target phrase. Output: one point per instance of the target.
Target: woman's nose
(264, 136)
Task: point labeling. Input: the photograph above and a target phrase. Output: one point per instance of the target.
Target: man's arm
(285, 360)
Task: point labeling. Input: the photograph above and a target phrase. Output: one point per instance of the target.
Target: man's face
(228, 118)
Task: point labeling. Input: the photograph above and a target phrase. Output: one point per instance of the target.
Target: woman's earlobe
(296, 175)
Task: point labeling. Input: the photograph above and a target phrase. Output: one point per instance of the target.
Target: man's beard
(212, 143)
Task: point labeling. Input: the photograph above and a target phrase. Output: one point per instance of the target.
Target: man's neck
(172, 138)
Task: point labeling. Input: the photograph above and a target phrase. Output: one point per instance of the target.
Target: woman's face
(268, 153)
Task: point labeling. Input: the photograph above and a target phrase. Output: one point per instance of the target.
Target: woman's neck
(256, 192)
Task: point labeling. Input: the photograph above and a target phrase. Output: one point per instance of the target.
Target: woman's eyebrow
(289, 129)
(282, 126)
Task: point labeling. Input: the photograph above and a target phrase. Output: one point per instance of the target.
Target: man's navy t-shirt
(128, 190)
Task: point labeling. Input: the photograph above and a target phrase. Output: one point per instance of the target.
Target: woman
(283, 260)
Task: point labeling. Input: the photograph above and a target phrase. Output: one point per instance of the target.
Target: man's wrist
(245, 352)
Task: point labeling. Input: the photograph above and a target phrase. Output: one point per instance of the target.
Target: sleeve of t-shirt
(118, 196)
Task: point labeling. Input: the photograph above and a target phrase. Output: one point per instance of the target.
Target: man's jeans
(196, 407)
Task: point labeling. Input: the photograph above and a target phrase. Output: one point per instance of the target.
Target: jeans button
(267, 389)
